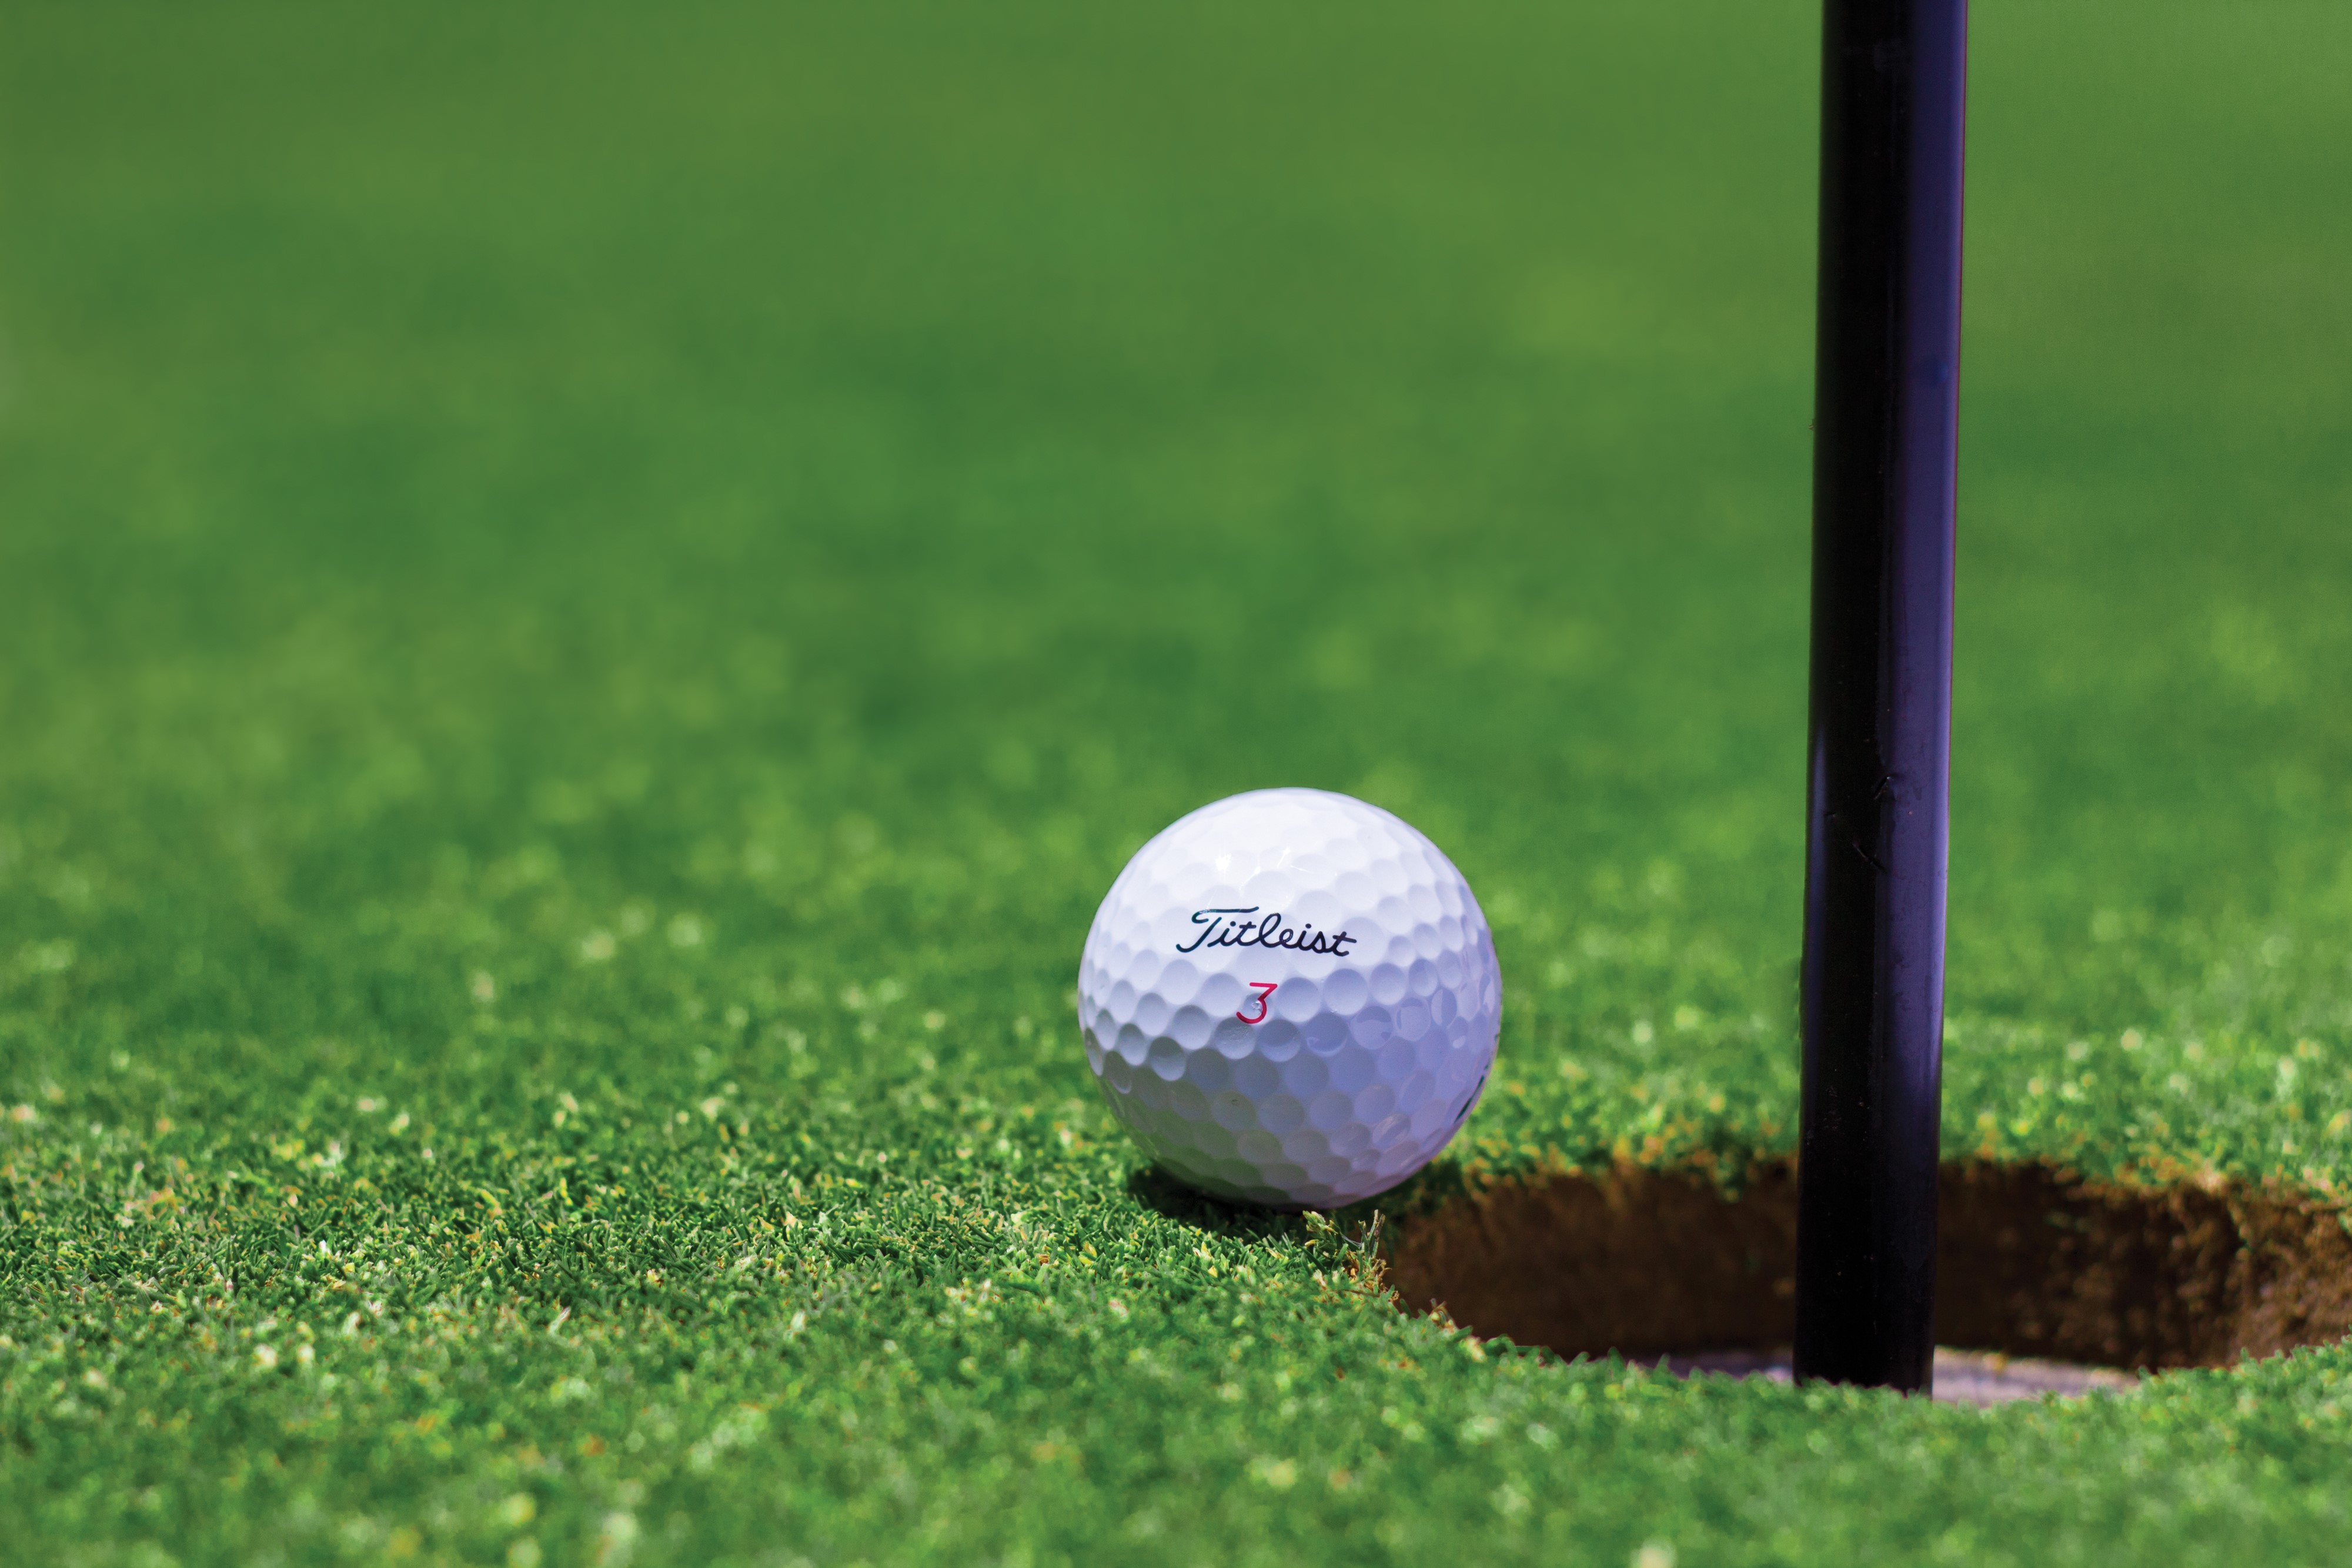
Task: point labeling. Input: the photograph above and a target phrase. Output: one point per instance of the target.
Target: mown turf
(589, 598)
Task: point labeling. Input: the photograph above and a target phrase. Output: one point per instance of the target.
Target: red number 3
(1264, 989)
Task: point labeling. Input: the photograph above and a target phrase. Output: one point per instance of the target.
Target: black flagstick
(1886, 398)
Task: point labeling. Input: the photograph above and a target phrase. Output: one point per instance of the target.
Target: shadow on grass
(1162, 1194)
(1424, 1191)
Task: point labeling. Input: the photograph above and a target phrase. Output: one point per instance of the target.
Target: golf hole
(2033, 1262)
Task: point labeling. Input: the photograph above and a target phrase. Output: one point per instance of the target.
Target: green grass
(589, 600)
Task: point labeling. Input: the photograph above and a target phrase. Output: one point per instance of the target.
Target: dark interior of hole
(2031, 1261)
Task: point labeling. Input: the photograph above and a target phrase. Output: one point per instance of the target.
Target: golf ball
(1290, 998)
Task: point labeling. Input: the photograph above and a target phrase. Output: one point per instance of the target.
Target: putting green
(589, 598)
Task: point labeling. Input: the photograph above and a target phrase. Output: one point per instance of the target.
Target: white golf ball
(1290, 998)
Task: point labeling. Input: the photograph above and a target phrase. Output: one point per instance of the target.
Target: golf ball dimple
(1290, 998)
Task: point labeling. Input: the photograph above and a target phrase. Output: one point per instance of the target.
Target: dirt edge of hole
(2032, 1260)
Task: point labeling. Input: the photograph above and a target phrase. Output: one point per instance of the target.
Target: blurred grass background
(425, 429)
(556, 549)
